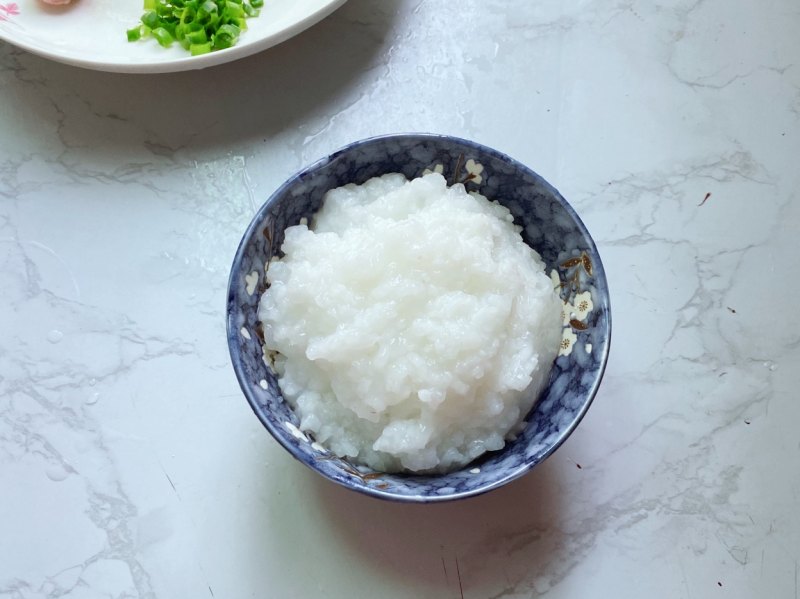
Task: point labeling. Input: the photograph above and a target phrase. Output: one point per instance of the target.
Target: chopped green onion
(234, 10)
(150, 19)
(162, 36)
(197, 37)
(225, 37)
(200, 26)
(197, 49)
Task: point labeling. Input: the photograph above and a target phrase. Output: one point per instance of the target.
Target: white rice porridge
(413, 327)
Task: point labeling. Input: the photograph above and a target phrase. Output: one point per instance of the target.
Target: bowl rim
(234, 341)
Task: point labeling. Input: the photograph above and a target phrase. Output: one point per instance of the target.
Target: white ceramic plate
(91, 33)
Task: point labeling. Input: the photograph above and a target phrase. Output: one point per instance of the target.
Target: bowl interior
(549, 225)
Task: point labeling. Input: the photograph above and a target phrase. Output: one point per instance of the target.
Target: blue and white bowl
(549, 225)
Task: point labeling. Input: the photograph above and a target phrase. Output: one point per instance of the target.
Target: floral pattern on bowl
(549, 225)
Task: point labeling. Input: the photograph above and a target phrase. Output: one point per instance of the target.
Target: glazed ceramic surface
(92, 33)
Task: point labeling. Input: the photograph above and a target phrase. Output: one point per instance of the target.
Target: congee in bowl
(418, 317)
(411, 328)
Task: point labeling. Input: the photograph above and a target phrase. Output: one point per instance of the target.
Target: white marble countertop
(130, 463)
